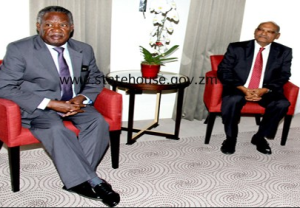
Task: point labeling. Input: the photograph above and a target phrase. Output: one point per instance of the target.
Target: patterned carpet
(170, 173)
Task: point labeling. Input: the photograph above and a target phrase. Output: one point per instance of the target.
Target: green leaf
(152, 58)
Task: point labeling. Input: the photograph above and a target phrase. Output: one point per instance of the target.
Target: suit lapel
(272, 56)
(44, 56)
(76, 59)
(249, 53)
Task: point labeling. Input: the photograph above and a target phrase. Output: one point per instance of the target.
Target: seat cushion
(26, 137)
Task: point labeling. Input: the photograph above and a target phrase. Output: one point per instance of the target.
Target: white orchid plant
(165, 16)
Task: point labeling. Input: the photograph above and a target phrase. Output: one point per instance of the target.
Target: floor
(198, 128)
(165, 173)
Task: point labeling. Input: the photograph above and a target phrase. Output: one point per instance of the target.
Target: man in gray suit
(30, 76)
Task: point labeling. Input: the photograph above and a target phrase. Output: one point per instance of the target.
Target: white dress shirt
(66, 55)
(265, 54)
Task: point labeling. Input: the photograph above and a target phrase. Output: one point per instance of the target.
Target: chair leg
(115, 148)
(286, 128)
(206, 120)
(257, 119)
(14, 165)
(210, 124)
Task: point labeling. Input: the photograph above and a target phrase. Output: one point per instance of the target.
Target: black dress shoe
(84, 190)
(102, 192)
(261, 145)
(228, 146)
(108, 196)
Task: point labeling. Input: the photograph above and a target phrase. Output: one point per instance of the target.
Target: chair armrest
(291, 93)
(10, 120)
(109, 104)
(213, 92)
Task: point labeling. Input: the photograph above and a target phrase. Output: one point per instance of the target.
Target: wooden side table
(133, 82)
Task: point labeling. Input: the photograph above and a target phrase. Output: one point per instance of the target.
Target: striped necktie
(65, 78)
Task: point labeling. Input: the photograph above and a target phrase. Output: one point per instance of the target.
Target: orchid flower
(158, 19)
(152, 41)
(165, 36)
(161, 49)
(160, 6)
(173, 4)
(169, 26)
(173, 15)
(154, 31)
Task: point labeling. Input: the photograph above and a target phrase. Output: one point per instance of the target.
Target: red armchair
(213, 99)
(108, 103)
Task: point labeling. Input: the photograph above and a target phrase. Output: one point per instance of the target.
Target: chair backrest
(290, 90)
(215, 60)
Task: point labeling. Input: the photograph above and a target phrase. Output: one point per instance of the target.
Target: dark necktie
(65, 78)
(257, 69)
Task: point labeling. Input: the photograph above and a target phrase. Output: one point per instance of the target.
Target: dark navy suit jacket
(234, 69)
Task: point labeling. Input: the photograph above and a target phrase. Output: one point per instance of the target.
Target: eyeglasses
(269, 32)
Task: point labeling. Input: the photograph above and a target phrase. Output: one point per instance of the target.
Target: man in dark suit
(31, 76)
(235, 72)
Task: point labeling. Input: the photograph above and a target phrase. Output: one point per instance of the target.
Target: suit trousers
(76, 158)
(275, 104)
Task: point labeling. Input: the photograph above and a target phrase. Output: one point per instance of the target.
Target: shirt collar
(51, 46)
(259, 46)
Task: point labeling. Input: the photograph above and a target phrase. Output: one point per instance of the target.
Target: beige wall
(14, 16)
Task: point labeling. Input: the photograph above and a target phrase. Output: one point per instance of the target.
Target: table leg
(157, 109)
(147, 130)
(130, 137)
(130, 117)
(178, 112)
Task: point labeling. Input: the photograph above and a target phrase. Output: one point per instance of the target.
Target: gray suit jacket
(28, 74)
